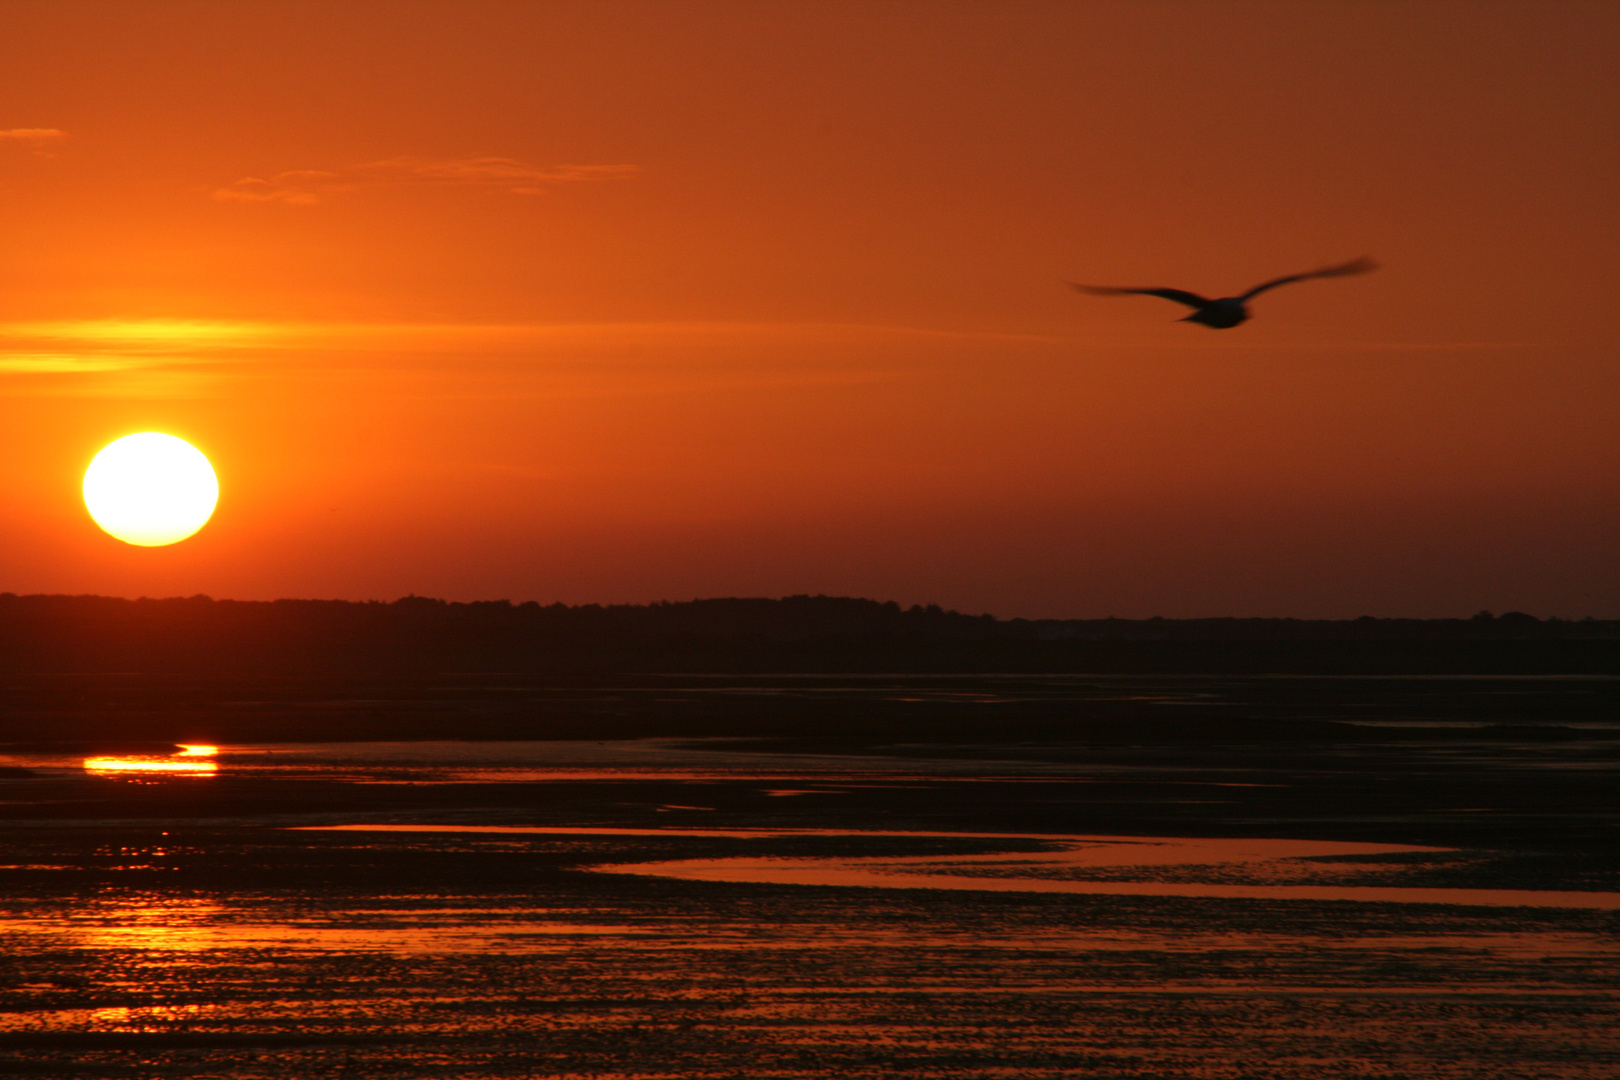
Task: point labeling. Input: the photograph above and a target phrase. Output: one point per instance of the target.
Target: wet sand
(533, 909)
(1019, 872)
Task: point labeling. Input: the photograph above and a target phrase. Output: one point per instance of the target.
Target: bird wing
(1357, 266)
(1192, 300)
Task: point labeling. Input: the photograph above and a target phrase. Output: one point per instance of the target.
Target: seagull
(1229, 311)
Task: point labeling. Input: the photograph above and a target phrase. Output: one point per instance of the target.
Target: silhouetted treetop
(94, 633)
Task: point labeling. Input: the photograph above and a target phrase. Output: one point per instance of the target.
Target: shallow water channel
(664, 908)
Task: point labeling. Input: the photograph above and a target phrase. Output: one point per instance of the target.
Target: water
(714, 908)
(1018, 872)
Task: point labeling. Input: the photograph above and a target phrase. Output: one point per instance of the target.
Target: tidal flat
(682, 905)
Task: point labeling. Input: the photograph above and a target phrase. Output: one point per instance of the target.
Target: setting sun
(150, 489)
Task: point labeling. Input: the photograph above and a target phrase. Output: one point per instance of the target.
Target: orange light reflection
(117, 765)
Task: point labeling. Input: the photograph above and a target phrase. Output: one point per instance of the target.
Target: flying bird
(1229, 311)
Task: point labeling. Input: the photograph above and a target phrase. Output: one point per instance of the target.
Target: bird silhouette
(1229, 311)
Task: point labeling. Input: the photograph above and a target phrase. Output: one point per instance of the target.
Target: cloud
(13, 363)
(124, 358)
(305, 186)
(299, 188)
(39, 140)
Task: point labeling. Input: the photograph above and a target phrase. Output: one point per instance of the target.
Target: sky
(643, 301)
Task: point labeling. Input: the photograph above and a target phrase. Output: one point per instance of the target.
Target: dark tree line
(797, 633)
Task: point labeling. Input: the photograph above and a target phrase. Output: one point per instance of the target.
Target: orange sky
(640, 301)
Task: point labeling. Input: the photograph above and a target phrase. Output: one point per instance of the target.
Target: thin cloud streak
(145, 358)
(64, 363)
(304, 187)
(214, 334)
(38, 140)
(83, 349)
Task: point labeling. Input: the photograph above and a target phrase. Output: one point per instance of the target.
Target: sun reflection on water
(184, 763)
(153, 923)
(144, 921)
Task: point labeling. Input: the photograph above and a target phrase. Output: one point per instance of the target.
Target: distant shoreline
(792, 635)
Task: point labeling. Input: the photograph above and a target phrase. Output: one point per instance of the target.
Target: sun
(150, 489)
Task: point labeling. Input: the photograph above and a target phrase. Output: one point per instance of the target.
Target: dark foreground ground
(177, 927)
